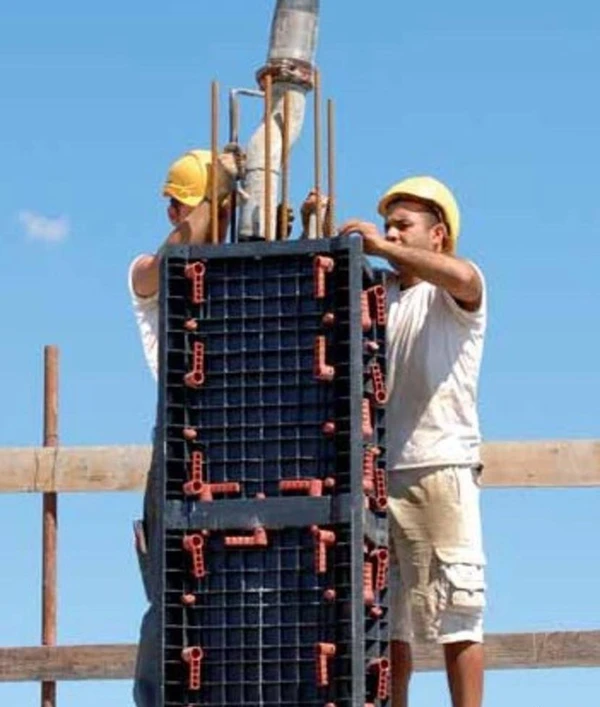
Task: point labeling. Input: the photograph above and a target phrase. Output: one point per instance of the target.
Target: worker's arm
(309, 210)
(455, 275)
(193, 229)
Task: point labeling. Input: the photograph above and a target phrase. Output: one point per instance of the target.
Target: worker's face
(178, 212)
(412, 224)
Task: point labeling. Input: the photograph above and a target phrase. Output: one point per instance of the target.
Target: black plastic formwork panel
(259, 458)
(265, 616)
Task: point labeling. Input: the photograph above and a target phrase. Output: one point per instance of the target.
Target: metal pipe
(49, 518)
(330, 230)
(285, 166)
(268, 224)
(234, 109)
(214, 125)
(234, 139)
(318, 157)
(294, 30)
(289, 62)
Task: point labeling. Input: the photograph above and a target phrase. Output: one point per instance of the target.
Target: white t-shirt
(434, 351)
(145, 310)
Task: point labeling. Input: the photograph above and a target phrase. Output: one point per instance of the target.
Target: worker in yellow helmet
(436, 326)
(188, 188)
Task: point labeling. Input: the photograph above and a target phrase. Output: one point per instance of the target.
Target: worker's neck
(408, 281)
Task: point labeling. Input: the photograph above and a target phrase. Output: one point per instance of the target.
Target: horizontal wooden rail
(568, 649)
(569, 463)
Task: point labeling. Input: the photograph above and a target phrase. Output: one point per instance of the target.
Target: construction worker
(435, 337)
(188, 188)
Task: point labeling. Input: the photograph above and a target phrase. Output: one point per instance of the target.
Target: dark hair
(431, 208)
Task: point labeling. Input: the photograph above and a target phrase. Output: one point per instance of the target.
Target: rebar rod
(268, 174)
(285, 167)
(331, 167)
(317, 148)
(49, 518)
(214, 130)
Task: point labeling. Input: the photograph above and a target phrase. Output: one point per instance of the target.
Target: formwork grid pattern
(268, 408)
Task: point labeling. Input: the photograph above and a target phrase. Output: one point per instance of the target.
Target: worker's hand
(281, 236)
(309, 208)
(373, 241)
(227, 174)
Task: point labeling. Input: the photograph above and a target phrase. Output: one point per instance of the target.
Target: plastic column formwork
(273, 549)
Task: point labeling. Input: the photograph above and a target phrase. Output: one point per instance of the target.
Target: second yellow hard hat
(187, 178)
(427, 189)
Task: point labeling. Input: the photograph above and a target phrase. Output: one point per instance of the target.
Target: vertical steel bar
(268, 176)
(214, 124)
(234, 138)
(331, 167)
(318, 140)
(49, 518)
(285, 166)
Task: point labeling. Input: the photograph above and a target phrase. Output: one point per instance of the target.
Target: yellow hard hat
(187, 179)
(431, 191)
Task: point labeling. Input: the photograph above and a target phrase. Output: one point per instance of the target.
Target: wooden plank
(574, 463)
(65, 469)
(35, 664)
(568, 463)
(565, 649)
(569, 649)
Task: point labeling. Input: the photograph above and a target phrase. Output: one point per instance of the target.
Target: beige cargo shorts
(437, 588)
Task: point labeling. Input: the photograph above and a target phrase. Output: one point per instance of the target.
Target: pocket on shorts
(461, 587)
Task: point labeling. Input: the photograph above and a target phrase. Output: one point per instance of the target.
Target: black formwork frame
(272, 544)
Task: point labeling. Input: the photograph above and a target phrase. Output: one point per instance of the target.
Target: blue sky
(498, 100)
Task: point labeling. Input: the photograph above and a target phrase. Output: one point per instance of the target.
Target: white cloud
(42, 228)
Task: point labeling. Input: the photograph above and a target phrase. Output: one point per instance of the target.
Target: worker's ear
(172, 213)
(440, 237)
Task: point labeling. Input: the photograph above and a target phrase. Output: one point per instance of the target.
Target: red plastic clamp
(365, 311)
(195, 272)
(328, 428)
(325, 652)
(382, 667)
(194, 544)
(321, 266)
(380, 489)
(195, 378)
(368, 592)
(313, 487)
(189, 434)
(257, 539)
(223, 489)
(378, 294)
(379, 392)
(367, 425)
(193, 657)
(322, 371)
(193, 487)
(369, 466)
(323, 540)
(381, 558)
